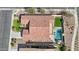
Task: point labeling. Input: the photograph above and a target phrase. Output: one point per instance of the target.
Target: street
(5, 22)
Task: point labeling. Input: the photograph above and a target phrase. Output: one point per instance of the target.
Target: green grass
(16, 25)
(58, 22)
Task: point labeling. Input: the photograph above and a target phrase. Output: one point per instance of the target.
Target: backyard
(61, 47)
(58, 31)
(58, 22)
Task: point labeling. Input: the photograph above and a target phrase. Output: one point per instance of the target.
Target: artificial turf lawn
(57, 22)
(16, 24)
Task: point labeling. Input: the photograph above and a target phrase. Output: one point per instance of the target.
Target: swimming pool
(58, 33)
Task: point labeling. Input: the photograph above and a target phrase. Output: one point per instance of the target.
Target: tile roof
(38, 28)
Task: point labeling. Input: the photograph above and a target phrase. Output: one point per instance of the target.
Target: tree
(61, 47)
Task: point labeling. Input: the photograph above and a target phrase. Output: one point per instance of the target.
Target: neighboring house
(37, 29)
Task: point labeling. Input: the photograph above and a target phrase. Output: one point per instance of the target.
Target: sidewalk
(75, 30)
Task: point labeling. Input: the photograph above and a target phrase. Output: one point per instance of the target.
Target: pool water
(58, 34)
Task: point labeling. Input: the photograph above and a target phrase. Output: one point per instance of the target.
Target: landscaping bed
(30, 10)
(16, 25)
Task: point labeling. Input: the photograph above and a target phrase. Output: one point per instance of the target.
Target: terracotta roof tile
(39, 28)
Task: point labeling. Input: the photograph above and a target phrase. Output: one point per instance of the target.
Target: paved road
(5, 21)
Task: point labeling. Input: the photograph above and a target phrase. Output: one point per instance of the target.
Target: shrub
(30, 10)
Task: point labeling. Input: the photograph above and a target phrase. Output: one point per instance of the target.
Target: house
(37, 29)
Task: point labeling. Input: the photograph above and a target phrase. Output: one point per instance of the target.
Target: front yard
(16, 25)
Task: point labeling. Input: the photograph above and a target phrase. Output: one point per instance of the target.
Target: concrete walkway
(15, 34)
(75, 30)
